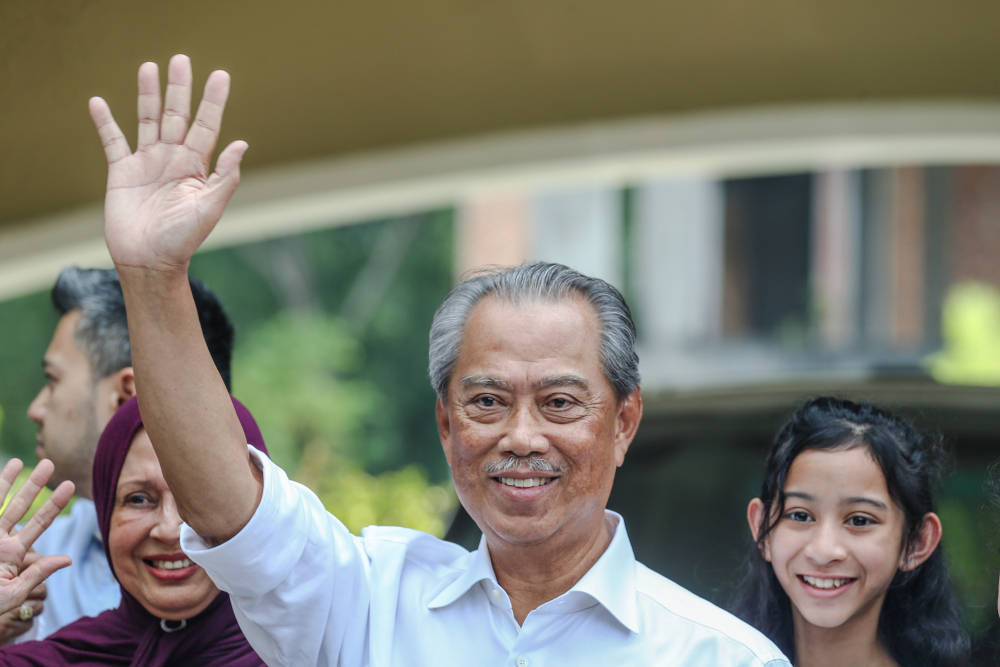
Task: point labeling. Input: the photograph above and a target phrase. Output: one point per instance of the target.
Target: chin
(516, 529)
(177, 608)
(177, 602)
(827, 618)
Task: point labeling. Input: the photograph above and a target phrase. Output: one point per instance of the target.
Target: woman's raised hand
(16, 578)
(162, 200)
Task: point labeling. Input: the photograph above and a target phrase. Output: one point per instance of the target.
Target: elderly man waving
(538, 400)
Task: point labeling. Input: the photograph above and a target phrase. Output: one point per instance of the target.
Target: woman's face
(838, 544)
(144, 541)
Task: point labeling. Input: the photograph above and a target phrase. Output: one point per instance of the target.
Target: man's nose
(826, 545)
(525, 435)
(36, 411)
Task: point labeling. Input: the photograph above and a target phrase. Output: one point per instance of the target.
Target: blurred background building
(795, 197)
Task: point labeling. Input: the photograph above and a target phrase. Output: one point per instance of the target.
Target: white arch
(295, 198)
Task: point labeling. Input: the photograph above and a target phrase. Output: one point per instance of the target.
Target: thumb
(222, 184)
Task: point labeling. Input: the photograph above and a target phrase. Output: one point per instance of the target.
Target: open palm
(16, 579)
(162, 201)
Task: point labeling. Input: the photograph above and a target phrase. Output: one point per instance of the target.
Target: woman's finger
(39, 592)
(150, 106)
(19, 504)
(177, 102)
(7, 477)
(46, 514)
(32, 576)
(114, 142)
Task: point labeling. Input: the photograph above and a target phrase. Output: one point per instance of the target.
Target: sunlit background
(797, 199)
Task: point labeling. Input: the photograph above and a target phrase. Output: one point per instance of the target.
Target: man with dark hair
(88, 367)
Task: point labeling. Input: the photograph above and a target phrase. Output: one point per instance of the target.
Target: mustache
(513, 462)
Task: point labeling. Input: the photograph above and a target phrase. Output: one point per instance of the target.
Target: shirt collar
(478, 567)
(610, 582)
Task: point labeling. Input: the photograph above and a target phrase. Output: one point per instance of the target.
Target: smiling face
(839, 542)
(531, 428)
(144, 541)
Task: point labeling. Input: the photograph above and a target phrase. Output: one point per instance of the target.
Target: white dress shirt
(308, 592)
(85, 588)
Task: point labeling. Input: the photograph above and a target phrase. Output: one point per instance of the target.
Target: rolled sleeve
(297, 577)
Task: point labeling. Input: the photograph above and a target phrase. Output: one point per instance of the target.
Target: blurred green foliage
(966, 546)
(299, 376)
(970, 328)
(26, 326)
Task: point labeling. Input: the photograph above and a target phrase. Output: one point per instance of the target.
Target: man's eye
(487, 401)
(559, 402)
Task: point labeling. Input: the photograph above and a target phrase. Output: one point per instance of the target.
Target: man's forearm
(186, 408)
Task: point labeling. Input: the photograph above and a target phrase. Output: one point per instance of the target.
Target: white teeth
(816, 582)
(172, 564)
(526, 483)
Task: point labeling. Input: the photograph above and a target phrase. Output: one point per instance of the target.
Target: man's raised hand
(16, 579)
(162, 200)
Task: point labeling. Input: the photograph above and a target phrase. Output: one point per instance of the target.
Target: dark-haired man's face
(72, 408)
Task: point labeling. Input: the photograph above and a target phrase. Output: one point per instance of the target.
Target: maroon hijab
(130, 636)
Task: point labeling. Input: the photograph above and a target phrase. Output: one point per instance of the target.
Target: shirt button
(522, 662)
(496, 595)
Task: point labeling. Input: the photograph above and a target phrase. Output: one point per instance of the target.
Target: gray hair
(539, 281)
(102, 333)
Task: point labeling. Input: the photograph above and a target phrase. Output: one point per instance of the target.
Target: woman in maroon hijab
(171, 612)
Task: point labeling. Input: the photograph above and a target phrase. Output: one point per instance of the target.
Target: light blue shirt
(308, 592)
(85, 588)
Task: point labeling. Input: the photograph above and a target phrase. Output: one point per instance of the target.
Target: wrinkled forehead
(531, 338)
(141, 464)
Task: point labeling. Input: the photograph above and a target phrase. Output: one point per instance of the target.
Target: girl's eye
(799, 516)
(860, 521)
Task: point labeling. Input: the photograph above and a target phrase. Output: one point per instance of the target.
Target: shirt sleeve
(297, 577)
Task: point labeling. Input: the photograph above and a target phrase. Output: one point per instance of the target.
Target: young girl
(846, 568)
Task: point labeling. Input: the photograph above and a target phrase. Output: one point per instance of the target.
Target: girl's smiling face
(839, 541)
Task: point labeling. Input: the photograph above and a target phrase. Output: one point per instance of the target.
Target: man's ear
(444, 428)
(924, 545)
(124, 386)
(755, 517)
(629, 414)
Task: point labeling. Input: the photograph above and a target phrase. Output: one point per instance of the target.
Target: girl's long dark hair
(921, 622)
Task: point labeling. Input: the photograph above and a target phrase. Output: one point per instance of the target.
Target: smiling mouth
(524, 483)
(171, 570)
(827, 584)
(170, 564)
